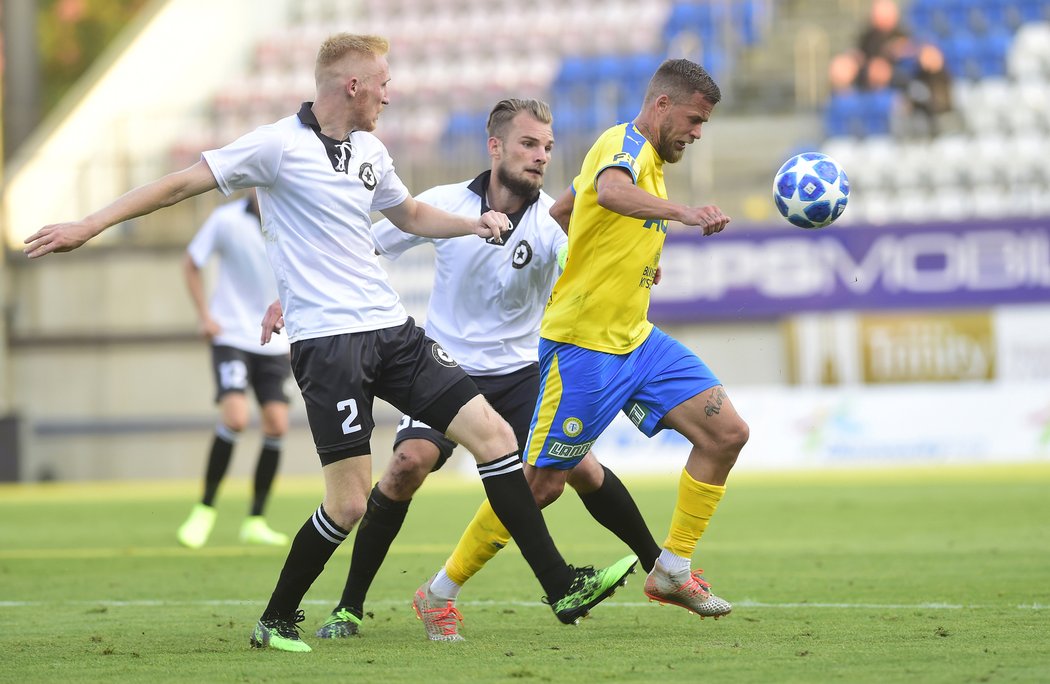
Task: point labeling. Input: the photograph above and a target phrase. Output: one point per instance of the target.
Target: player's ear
(351, 86)
(494, 147)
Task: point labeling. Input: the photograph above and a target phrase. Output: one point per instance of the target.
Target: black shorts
(341, 375)
(236, 369)
(513, 396)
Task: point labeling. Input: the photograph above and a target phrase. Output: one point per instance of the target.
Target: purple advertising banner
(771, 273)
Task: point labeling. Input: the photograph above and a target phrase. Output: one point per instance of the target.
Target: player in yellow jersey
(599, 354)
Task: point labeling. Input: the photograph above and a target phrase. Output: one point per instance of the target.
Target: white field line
(612, 603)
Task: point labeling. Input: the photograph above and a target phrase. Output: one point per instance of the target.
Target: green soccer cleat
(281, 634)
(195, 531)
(590, 587)
(256, 531)
(339, 625)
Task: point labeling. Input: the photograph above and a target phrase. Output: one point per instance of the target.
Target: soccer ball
(811, 190)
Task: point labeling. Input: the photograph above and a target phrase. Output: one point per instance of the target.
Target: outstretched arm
(163, 192)
(617, 192)
(420, 218)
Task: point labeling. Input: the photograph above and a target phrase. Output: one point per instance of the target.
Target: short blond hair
(337, 46)
(505, 111)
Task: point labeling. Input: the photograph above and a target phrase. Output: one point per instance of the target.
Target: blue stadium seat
(992, 52)
(844, 115)
(878, 106)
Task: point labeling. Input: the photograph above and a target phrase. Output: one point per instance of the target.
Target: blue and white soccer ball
(811, 190)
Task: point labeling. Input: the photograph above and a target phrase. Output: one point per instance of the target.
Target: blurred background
(916, 329)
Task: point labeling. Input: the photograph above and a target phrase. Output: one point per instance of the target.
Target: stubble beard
(520, 186)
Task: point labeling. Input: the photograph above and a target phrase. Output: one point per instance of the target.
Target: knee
(275, 423)
(345, 512)
(732, 440)
(546, 492)
(587, 477)
(411, 463)
(235, 424)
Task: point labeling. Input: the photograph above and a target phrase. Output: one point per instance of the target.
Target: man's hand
(272, 322)
(209, 328)
(58, 237)
(709, 219)
(491, 225)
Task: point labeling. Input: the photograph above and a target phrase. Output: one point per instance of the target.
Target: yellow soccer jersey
(601, 301)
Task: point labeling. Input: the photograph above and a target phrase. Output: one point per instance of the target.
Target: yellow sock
(697, 502)
(483, 538)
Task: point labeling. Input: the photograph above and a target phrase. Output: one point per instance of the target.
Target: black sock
(313, 545)
(380, 524)
(218, 462)
(512, 501)
(265, 471)
(613, 507)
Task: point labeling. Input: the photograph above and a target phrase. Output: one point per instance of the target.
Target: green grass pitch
(907, 575)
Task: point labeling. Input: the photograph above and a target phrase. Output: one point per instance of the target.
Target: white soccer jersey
(244, 286)
(488, 299)
(316, 195)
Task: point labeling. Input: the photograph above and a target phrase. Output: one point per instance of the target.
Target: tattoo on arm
(714, 402)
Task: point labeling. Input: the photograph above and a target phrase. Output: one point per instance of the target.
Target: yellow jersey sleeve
(601, 300)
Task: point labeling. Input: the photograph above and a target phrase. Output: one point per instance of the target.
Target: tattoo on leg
(714, 402)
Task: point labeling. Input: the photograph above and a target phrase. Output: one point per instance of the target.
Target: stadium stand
(998, 55)
(997, 51)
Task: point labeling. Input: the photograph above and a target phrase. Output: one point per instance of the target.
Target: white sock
(444, 587)
(673, 563)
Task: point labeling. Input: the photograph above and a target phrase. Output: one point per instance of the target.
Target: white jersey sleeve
(251, 161)
(391, 242)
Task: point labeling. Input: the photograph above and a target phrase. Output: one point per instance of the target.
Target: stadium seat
(843, 115)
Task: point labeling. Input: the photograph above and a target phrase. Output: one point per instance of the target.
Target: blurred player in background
(485, 309)
(243, 289)
(320, 174)
(599, 354)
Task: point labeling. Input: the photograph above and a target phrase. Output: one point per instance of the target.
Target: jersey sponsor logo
(625, 159)
(339, 154)
(569, 451)
(572, 426)
(636, 413)
(368, 176)
(659, 224)
(442, 356)
(648, 276)
(522, 254)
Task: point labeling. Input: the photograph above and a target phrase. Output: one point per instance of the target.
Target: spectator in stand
(929, 94)
(885, 37)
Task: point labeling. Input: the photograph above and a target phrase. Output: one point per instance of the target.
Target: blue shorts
(581, 391)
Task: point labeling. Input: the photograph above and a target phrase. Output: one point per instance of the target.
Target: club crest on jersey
(572, 426)
(367, 176)
(442, 356)
(339, 154)
(522, 254)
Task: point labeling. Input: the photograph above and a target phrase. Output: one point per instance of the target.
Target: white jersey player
(243, 288)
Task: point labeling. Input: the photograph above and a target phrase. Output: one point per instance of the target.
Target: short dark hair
(505, 111)
(679, 79)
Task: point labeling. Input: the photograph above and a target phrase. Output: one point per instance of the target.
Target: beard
(522, 186)
(666, 149)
